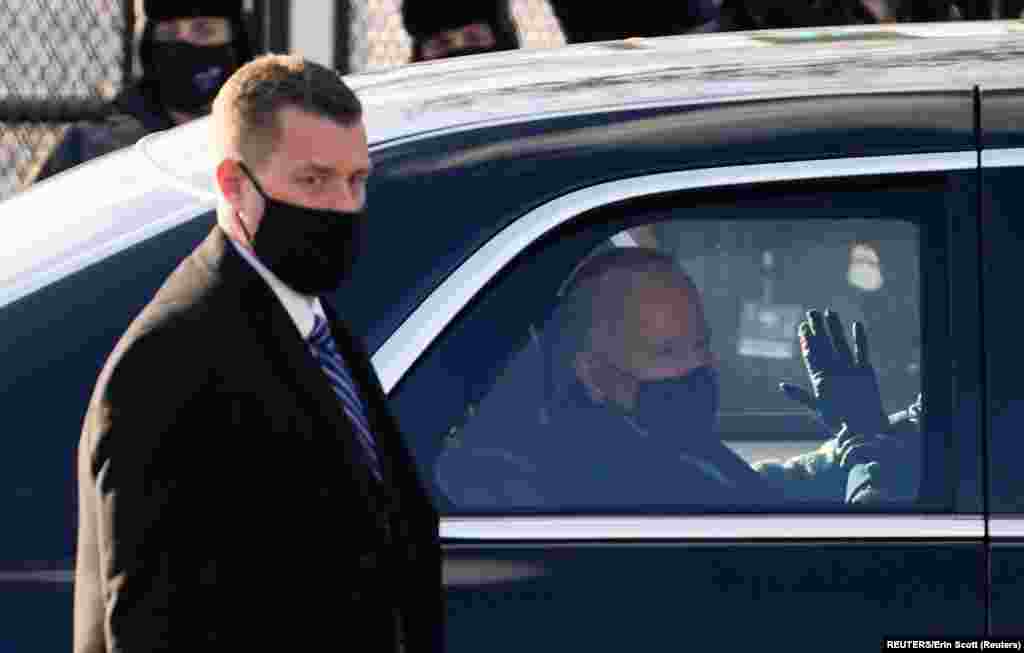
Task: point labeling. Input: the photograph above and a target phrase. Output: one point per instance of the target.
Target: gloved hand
(856, 449)
(844, 384)
(891, 482)
(865, 486)
(885, 467)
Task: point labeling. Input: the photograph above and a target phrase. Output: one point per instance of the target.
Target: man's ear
(229, 180)
(585, 365)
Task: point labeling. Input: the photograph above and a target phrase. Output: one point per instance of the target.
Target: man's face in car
(646, 326)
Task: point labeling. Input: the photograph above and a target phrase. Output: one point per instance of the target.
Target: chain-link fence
(60, 61)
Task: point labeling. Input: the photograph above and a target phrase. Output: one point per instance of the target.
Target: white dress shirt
(303, 309)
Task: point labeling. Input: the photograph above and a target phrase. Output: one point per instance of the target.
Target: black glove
(856, 448)
(844, 383)
(882, 468)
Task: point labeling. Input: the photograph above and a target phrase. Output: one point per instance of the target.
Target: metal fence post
(276, 23)
(343, 17)
(128, 46)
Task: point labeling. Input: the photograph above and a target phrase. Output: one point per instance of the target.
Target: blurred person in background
(441, 30)
(187, 50)
(454, 29)
(583, 21)
(780, 14)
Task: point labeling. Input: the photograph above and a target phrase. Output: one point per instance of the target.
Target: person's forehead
(664, 283)
(655, 305)
(652, 300)
(307, 140)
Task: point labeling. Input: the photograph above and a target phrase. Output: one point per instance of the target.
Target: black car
(871, 170)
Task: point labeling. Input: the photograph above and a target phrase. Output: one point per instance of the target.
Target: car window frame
(400, 352)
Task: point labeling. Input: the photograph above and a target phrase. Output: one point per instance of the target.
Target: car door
(1002, 173)
(889, 241)
(81, 255)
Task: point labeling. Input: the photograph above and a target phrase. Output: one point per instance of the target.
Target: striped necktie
(325, 351)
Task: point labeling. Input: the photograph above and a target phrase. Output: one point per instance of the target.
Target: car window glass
(516, 424)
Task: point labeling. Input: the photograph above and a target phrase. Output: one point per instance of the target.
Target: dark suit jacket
(223, 503)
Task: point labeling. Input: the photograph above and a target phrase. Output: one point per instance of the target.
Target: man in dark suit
(242, 483)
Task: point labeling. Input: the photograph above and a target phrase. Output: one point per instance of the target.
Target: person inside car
(633, 401)
(187, 50)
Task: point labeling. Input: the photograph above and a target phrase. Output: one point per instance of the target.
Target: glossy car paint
(83, 253)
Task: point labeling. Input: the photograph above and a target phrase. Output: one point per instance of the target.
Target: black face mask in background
(311, 250)
(687, 405)
(189, 75)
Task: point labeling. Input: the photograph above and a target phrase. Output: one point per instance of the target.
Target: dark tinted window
(478, 404)
(1003, 242)
(433, 201)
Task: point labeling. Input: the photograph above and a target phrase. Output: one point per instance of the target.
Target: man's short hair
(592, 293)
(245, 111)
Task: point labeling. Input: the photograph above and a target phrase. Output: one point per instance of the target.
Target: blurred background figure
(450, 29)
(70, 89)
(780, 14)
(441, 30)
(187, 50)
(584, 20)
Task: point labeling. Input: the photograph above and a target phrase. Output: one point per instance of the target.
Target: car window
(505, 416)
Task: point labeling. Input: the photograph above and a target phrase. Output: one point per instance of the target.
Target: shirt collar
(303, 309)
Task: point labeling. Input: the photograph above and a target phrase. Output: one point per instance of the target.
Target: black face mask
(190, 75)
(311, 250)
(686, 404)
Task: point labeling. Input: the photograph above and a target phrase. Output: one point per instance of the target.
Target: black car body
(761, 161)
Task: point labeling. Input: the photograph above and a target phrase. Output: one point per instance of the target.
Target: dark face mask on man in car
(686, 404)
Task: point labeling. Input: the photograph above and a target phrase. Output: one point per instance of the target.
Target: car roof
(690, 70)
(82, 215)
(415, 100)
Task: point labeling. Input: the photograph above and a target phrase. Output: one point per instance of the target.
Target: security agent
(243, 485)
(187, 50)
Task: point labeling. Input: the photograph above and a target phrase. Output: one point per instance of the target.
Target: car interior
(757, 281)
